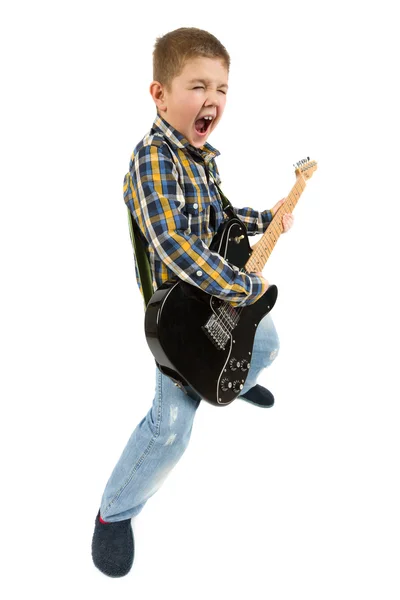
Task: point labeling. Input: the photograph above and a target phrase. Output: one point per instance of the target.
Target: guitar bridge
(219, 327)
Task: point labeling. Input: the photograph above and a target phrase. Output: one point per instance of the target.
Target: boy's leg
(265, 350)
(152, 451)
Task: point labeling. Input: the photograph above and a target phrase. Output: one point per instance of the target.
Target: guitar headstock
(305, 167)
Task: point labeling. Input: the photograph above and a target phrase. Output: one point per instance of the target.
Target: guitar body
(201, 341)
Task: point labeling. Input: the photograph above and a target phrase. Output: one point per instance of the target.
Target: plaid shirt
(178, 209)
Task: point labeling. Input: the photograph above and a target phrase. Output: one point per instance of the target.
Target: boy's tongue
(201, 125)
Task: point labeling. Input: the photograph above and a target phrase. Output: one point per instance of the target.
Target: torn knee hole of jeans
(273, 354)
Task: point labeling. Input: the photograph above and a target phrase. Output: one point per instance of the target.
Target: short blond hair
(174, 49)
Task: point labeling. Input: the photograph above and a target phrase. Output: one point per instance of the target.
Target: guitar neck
(264, 247)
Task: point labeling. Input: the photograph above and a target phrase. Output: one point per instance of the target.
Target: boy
(170, 192)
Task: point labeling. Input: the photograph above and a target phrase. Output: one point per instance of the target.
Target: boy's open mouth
(202, 125)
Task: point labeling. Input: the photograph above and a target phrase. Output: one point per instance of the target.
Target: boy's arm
(255, 221)
(155, 182)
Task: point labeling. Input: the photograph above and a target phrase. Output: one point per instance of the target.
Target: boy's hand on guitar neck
(287, 218)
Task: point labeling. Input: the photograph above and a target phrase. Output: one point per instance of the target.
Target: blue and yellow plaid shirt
(178, 209)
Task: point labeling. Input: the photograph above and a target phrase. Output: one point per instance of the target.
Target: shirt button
(199, 273)
(195, 205)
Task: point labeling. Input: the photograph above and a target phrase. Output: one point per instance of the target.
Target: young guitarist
(170, 192)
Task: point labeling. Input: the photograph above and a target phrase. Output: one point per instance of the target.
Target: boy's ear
(158, 94)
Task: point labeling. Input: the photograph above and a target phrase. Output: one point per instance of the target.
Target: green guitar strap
(140, 253)
(141, 259)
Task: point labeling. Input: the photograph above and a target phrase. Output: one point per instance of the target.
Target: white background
(298, 501)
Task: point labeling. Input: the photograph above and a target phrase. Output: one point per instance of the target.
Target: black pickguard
(211, 359)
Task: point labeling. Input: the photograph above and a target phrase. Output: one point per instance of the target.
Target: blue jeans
(162, 436)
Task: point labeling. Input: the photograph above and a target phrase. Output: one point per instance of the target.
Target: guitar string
(232, 318)
(227, 310)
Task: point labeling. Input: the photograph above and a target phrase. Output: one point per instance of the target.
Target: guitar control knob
(244, 365)
(225, 384)
(237, 386)
(234, 364)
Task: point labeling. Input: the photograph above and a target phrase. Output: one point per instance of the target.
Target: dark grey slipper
(113, 547)
(259, 396)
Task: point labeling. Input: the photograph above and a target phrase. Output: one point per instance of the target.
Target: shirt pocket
(195, 210)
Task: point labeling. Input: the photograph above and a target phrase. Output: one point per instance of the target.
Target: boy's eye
(199, 87)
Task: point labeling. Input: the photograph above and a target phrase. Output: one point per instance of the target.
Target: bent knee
(269, 355)
(274, 353)
(267, 342)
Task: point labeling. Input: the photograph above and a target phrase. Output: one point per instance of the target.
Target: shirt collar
(207, 152)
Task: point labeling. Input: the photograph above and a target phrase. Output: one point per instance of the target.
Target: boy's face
(199, 90)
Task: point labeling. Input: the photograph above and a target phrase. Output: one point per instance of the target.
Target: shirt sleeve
(160, 200)
(255, 221)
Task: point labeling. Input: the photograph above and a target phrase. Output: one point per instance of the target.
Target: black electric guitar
(206, 343)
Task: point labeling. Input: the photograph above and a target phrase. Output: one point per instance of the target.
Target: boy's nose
(212, 99)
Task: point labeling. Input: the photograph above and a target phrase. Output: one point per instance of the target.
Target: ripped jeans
(162, 436)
